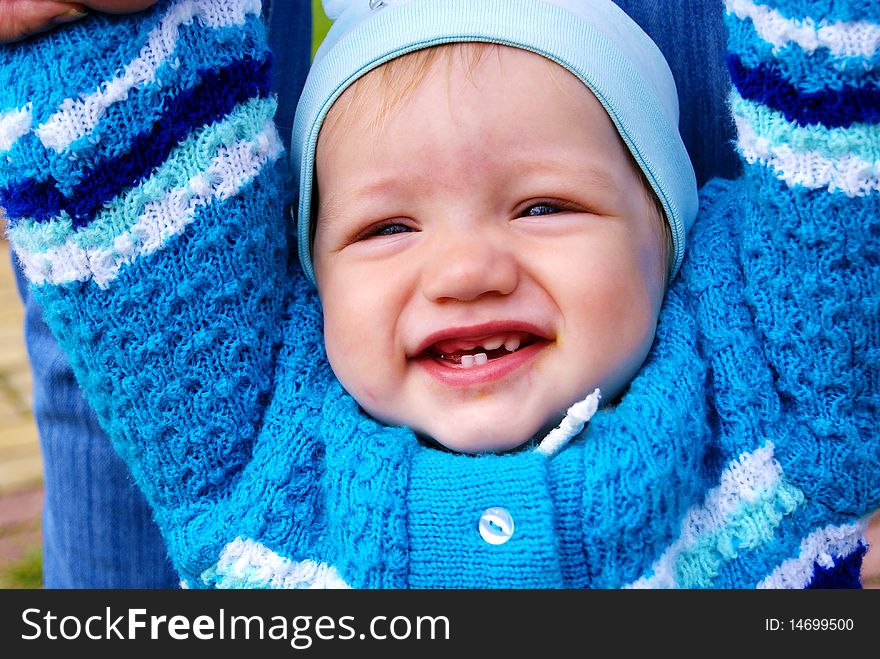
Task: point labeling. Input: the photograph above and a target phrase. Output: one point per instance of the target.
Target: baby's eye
(382, 230)
(547, 206)
(541, 209)
(391, 229)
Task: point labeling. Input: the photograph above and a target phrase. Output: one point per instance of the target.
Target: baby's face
(485, 252)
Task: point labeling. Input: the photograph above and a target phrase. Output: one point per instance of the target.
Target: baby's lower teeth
(474, 360)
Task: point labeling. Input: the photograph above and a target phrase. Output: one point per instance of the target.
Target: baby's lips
(510, 342)
(486, 337)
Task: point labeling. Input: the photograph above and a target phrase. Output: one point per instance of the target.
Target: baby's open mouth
(466, 353)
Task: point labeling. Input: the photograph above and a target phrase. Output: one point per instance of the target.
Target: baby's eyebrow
(603, 181)
(584, 172)
(333, 205)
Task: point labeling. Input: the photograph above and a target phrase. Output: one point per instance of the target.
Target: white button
(496, 526)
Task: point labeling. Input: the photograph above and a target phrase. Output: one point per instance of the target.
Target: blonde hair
(393, 80)
(661, 219)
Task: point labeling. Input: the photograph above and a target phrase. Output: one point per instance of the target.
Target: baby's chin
(474, 440)
(475, 447)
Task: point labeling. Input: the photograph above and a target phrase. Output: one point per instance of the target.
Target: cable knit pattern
(145, 206)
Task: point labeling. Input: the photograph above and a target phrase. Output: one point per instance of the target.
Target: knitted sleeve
(138, 172)
(806, 102)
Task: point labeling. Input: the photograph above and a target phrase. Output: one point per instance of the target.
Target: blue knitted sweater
(140, 179)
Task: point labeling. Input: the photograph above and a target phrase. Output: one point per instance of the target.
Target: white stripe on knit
(842, 38)
(78, 117)
(743, 481)
(248, 563)
(820, 547)
(849, 174)
(14, 124)
(232, 168)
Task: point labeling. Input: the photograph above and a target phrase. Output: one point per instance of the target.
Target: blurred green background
(320, 24)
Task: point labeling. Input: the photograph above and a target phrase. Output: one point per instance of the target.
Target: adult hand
(22, 18)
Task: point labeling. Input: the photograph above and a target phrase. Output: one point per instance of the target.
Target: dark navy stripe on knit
(831, 108)
(845, 573)
(219, 91)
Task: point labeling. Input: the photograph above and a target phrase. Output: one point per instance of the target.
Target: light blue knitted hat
(594, 39)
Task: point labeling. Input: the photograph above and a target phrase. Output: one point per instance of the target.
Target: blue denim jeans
(97, 528)
(692, 36)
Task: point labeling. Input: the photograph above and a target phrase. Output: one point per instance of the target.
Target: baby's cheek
(356, 352)
(371, 398)
(623, 321)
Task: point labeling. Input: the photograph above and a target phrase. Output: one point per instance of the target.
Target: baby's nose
(466, 266)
